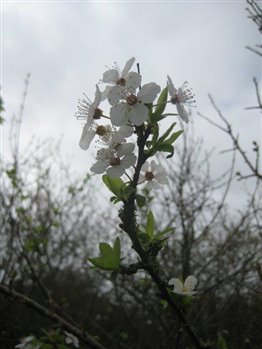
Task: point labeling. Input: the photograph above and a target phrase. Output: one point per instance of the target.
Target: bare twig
(80, 333)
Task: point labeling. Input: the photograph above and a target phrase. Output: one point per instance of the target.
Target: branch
(80, 333)
(129, 224)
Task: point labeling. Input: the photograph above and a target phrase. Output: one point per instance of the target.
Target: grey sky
(66, 46)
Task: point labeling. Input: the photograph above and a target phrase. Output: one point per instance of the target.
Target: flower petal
(119, 115)
(182, 112)
(148, 92)
(133, 81)
(127, 67)
(170, 86)
(110, 75)
(105, 92)
(116, 171)
(138, 114)
(178, 285)
(115, 94)
(152, 185)
(190, 283)
(124, 149)
(98, 97)
(128, 160)
(86, 137)
(99, 167)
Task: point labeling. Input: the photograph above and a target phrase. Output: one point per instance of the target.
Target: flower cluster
(130, 108)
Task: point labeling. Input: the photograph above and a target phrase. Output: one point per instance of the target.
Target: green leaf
(162, 233)
(161, 105)
(221, 343)
(166, 148)
(110, 259)
(126, 191)
(140, 200)
(113, 184)
(166, 134)
(117, 248)
(150, 225)
(174, 137)
(105, 249)
(155, 130)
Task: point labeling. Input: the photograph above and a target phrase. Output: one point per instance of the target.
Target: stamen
(115, 162)
(149, 176)
(131, 100)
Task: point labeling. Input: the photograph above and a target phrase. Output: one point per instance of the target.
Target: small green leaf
(162, 233)
(126, 191)
(161, 105)
(174, 137)
(113, 184)
(221, 343)
(155, 129)
(140, 200)
(166, 148)
(150, 225)
(117, 248)
(166, 134)
(110, 259)
(105, 249)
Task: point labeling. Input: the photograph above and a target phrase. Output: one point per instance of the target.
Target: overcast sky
(66, 46)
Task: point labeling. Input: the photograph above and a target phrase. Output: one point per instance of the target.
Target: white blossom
(185, 288)
(26, 343)
(114, 160)
(133, 108)
(153, 174)
(124, 79)
(71, 339)
(89, 133)
(179, 97)
(89, 112)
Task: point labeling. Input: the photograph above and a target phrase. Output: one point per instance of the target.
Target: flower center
(131, 100)
(98, 113)
(115, 162)
(149, 176)
(121, 82)
(175, 100)
(101, 130)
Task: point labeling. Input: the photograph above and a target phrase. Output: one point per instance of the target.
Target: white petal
(153, 166)
(98, 97)
(182, 112)
(124, 149)
(90, 115)
(133, 81)
(138, 114)
(152, 185)
(128, 160)
(104, 154)
(145, 167)
(111, 75)
(178, 285)
(190, 283)
(119, 114)
(86, 137)
(105, 92)
(116, 171)
(100, 166)
(127, 67)
(126, 130)
(161, 177)
(171, 89)
(115, 94)
(148, 92)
